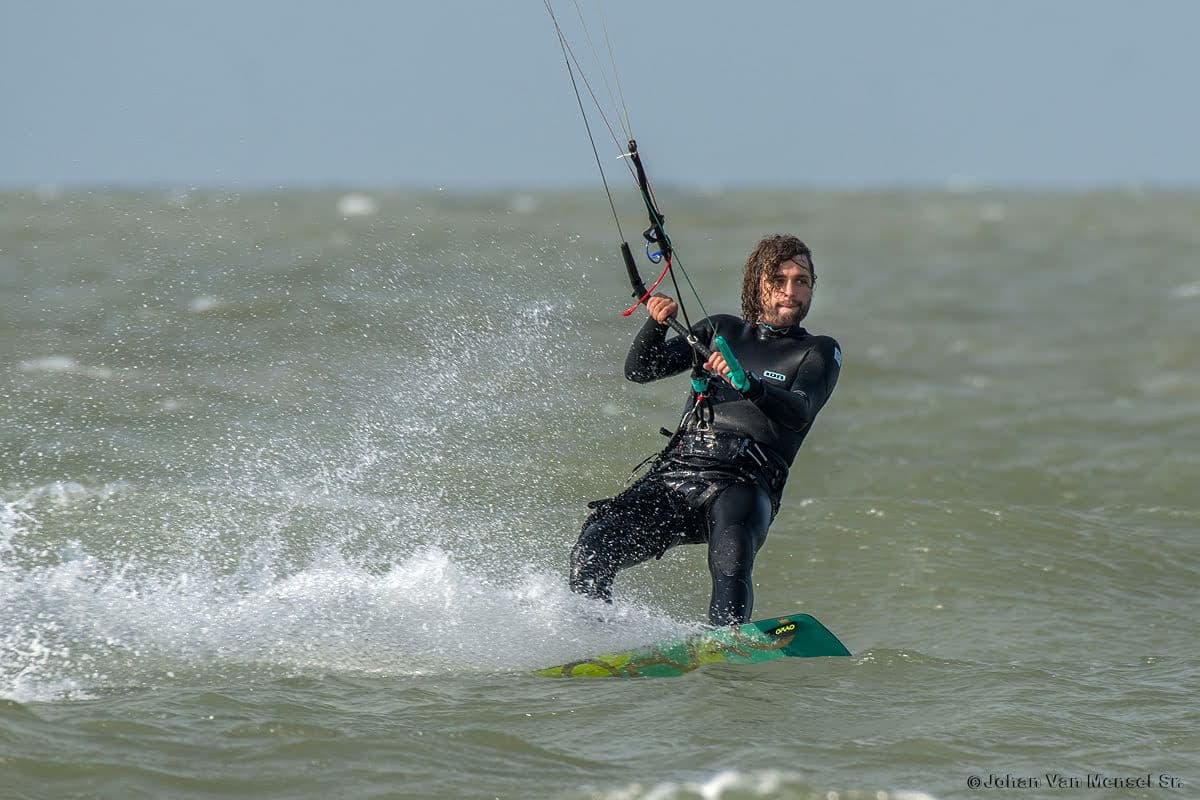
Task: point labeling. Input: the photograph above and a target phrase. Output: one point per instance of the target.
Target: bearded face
(787, 293)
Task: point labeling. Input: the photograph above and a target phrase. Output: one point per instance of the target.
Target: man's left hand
(717, 365)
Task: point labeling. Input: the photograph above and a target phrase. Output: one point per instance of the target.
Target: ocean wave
(742, 785)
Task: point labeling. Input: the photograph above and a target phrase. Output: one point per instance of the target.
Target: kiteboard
(797, 635)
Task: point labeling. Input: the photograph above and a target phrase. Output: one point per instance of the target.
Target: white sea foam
(1187, 291)
(357, 205)
(737, 784)
(71, 619)
(64, 364)
(203, 304)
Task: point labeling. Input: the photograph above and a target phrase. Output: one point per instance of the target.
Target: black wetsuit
(720, 478)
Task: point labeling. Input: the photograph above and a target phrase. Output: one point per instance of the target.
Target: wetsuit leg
(738, 520)
(639, 524)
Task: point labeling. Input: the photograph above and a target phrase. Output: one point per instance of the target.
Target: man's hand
(717, 365)
(661, 308)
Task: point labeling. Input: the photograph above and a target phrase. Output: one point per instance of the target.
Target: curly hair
(763, 264)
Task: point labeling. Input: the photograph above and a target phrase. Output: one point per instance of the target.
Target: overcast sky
(474, 93)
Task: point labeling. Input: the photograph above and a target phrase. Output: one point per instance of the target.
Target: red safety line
(649, 291)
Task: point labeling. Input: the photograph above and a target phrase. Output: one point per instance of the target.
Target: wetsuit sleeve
(652, 357)
(795, 406)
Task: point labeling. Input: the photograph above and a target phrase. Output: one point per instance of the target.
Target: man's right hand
(661, 308)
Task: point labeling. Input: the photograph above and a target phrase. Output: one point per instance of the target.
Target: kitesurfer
(721, 476)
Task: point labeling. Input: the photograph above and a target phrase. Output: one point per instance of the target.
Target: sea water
(288, 482)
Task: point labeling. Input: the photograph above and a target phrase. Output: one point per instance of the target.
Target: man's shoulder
(824, 344)
(828, 347)
(824, 341)
(727, 319)
(728, 325)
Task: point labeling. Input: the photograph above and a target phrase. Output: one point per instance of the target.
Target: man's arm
(796, 406)
(652, 357)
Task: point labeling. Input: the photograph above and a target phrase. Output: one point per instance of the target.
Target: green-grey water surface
(288, 480)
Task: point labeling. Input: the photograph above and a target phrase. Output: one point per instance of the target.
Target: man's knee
(731, 553)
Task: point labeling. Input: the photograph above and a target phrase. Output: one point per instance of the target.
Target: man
(721, 476)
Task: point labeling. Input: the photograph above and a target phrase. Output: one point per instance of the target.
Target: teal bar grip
(699, 385)
(737, 375)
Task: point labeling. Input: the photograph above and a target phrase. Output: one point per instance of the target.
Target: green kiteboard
(797, 635)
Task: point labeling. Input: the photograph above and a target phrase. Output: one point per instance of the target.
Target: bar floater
(737, 375)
